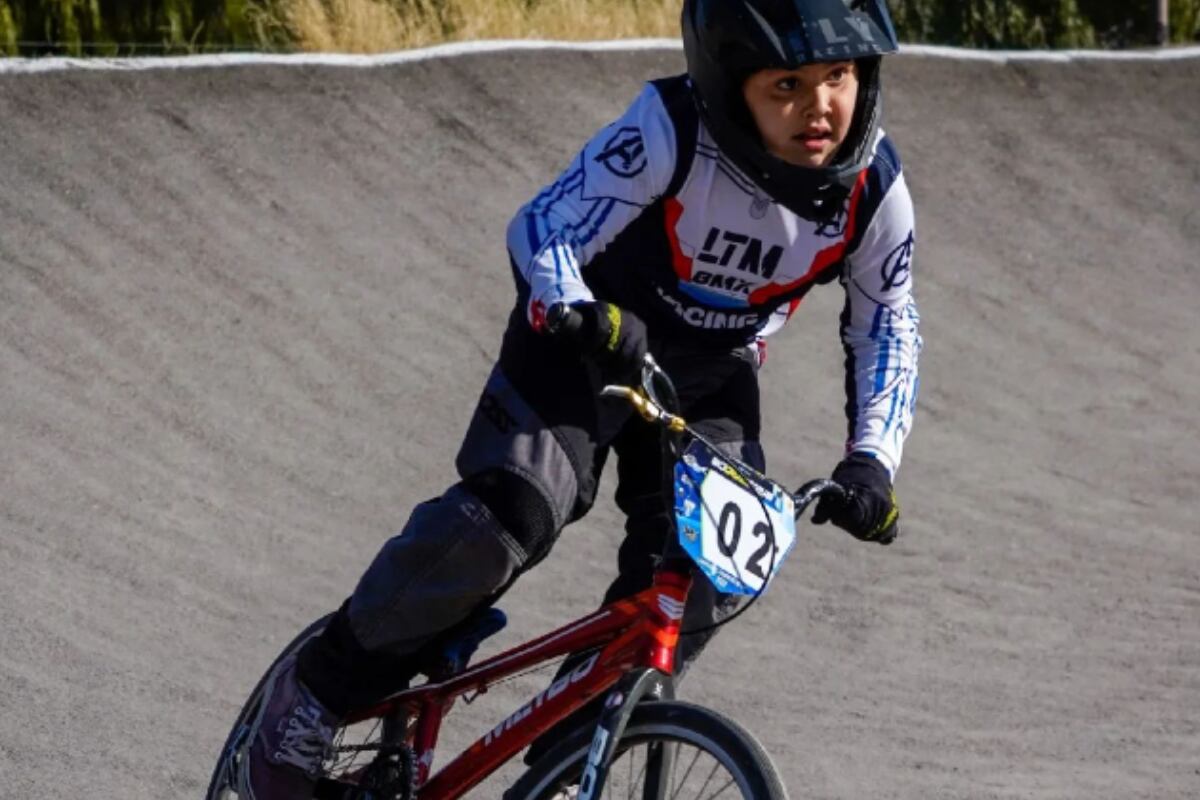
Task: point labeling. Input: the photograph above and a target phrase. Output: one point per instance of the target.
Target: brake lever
(652, 371)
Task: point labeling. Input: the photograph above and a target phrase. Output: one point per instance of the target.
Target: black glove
(613, 338)
(869, 511)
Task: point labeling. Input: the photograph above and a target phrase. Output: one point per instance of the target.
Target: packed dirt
(245, 313)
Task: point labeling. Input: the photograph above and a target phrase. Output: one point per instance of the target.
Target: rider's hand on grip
(613, 338)
(869, 511)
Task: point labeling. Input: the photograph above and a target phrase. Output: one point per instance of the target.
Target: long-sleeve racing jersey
(653, 217)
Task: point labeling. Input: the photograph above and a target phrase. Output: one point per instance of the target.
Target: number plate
(735, 523)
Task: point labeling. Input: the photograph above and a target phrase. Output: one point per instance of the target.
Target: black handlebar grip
(562, 320)
(814, 489)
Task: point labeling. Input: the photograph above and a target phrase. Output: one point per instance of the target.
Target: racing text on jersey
(708, 318)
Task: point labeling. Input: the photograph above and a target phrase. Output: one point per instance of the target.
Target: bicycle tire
(222, 772)
(727, 743)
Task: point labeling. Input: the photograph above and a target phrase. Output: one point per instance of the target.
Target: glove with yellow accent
(615, 339)
(869, 511)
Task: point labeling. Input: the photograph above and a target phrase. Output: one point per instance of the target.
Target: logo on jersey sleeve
(624, 155)
(897, 267)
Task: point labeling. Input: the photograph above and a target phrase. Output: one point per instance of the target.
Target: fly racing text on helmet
(726, 41)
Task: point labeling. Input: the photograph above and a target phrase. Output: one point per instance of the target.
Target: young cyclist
(691, 228)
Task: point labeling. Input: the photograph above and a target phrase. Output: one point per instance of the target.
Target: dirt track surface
(244, 314)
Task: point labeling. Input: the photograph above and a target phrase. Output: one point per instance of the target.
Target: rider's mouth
(814, 141)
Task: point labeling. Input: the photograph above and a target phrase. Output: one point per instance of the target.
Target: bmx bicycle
(733, 523)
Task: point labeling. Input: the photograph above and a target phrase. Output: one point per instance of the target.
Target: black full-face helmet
(726, 41)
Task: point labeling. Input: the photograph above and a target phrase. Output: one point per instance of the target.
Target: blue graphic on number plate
(700, 462)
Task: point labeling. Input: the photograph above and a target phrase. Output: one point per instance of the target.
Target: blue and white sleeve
(880, 332)
(622, 170)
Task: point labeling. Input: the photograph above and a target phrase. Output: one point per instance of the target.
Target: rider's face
(804, 114)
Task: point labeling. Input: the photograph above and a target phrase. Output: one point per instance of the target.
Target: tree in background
(1040, 23)
(1130, 23)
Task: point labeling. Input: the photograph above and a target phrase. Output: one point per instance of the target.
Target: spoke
(632, 758)
(708, 780)
(346, 755)
(640, 780)
(723, 788)
(683, 780)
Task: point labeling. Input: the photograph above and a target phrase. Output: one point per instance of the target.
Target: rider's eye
(786, 84)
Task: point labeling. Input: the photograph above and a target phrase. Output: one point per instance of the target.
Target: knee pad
(452, 557)
(520, 508)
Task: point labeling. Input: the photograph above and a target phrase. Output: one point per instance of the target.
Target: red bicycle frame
(639, 632)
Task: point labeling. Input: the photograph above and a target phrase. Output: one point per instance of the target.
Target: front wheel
(668, 749)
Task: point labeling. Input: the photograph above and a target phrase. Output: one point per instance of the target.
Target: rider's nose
(819, 103)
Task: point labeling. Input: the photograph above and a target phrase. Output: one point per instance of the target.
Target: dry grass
(371, 26)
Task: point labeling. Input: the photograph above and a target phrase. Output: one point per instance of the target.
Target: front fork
(618, 707)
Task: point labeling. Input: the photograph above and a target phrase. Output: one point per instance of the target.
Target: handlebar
(646, 407)
(561, 319)
(813, 490)
(656, 400)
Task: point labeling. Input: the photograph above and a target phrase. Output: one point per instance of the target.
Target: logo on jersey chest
(730, 283)
(835, 226)
(759, 206)
(746, 254)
